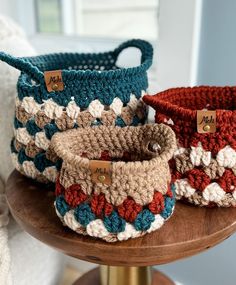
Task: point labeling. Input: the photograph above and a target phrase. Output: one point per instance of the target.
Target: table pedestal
(117, 275)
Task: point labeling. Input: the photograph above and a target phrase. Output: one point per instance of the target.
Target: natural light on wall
(98, 18)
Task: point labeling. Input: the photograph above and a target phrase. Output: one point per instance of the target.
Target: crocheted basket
(114, 183)
(62, 91)
(204, 165)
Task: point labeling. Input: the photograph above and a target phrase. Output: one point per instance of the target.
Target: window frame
(176, 50)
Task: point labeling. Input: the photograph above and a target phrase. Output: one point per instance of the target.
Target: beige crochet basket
(114, 182)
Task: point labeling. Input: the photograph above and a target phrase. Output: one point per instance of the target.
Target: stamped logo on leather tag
(206, 122)
(101, 171)
(53, 80)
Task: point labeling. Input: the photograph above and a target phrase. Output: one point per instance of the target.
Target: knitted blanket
(12, 40)
(5, 276)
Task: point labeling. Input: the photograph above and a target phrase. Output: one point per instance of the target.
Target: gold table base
(117, 275)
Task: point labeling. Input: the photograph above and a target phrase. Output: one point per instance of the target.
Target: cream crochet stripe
(97, 228)
(140, 178)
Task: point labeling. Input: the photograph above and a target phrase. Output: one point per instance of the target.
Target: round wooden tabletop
(189, 231)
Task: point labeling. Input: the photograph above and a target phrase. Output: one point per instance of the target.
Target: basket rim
(142, 67)
(83, 162)
(35, 66)
(124, 74)
(161, 102)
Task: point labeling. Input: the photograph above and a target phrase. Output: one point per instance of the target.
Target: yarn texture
(139, 198)
(5, 258)
(204, 165)
(96, 92)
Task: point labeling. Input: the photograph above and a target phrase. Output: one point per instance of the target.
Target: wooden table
(191, 230)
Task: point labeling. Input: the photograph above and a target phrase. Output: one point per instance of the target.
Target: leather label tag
(53, 80)
(101, 171)
(206, 122)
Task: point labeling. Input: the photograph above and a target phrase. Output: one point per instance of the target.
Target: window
(98, 18)
(173, 27)
(48, 16)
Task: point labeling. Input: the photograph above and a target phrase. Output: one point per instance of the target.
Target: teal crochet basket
(63, 91)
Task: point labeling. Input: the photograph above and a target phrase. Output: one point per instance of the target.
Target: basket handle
(144, 46)
(23, 65)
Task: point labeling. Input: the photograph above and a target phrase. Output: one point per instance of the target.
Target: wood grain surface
(190, 230)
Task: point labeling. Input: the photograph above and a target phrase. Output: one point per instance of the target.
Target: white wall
(7, 7)
(217, 56)
(117, 18)
(177, 42)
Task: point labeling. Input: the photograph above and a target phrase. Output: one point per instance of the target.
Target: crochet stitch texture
(204, 165)
(139, 198)
(96, 92)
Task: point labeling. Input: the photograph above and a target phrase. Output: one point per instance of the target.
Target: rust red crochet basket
(204, 121)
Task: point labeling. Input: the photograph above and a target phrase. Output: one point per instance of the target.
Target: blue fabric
(50, 130)
(17, 124)
(173, 189)
(61, 205)
(13, 149)
(58, 164)
(32, 128)
(136, 121)
(114, 223)
(169, 204)
(120, 122)
(23, 157)
(144, 220)
(41, 162)
(83, 214)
